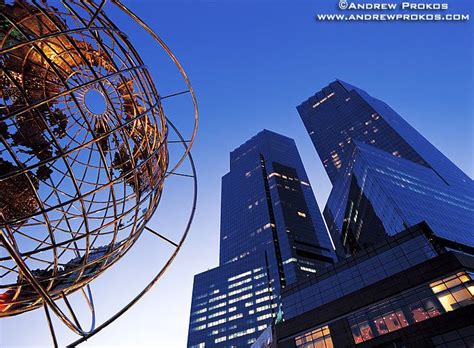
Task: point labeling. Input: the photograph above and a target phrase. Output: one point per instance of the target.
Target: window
(237, 316)
(454, 291)
(419, 304)
(220, 339)
(390, 322)
(362, 332)
(318, 338)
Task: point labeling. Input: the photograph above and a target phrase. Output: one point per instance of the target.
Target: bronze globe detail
(84, 151)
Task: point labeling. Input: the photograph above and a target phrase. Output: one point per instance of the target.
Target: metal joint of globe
(86, 146)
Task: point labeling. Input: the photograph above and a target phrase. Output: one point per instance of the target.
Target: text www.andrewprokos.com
(393, 17)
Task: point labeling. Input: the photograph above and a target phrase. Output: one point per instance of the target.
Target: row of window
(408, 308)
(413, 306)
(317, 338)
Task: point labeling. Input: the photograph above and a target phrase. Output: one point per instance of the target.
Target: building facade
(401, 216)
(272, 235)
(409, 291)
(378, 194)
(386, 176)
(341, 113)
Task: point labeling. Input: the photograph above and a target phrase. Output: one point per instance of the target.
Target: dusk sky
(251, 63)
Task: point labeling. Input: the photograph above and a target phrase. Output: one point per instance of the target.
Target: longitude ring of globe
(84, 154)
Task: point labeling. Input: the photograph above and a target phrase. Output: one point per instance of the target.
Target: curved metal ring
(167, 264)
(47, 298)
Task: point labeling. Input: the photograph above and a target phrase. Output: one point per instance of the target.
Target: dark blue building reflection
(386, 176)
(401, 216)
(272, 235)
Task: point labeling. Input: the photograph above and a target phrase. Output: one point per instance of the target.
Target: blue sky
(251, 63)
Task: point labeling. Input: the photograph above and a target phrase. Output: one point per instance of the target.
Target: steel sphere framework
(85, 150)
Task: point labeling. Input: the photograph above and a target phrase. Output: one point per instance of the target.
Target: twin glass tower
(386, 177)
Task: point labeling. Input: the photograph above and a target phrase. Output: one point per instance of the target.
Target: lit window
(292, 259)
(274, 174)
(449, 294)
(320, 338)
(199, 328)
(301, 214)
(240, 298)
(217, 314)
(237, 316)
(261, 299)
(239, 276)
(448, 302)
(220, 339)
(307, 269)
(263, 317)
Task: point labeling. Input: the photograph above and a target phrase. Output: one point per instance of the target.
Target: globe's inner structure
(83, 148)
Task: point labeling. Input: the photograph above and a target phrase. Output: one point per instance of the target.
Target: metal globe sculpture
(83, 151)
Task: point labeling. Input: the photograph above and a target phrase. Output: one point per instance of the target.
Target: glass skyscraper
(379, 195)
(272, 235)
(401, 216)
(386, 176)
(340, 113)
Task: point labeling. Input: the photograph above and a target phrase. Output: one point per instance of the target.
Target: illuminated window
(197, 320)
(242, 333)
(219, 305)
(454, 291)
(261, 299)
(199, 328)
(239, 276)
(238, 291)
(392, 314)
(390, 322)
(362, 332)
(220, 339)
(246, 280)
(301, 214)
(291, 259)
(237, 316)
(448, 302)
(204, 310)
(320, 338)
(240, 298)
(263, 317)
(217, 298)
(217, 322)
(200, 345)
(307, 269)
